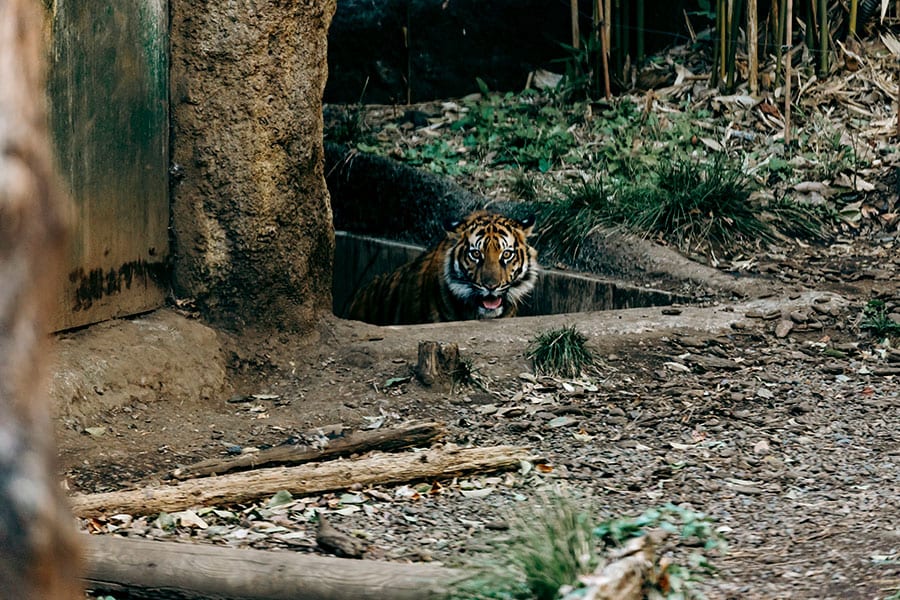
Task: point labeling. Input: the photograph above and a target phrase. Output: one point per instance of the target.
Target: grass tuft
(553, 546)
(467, 374)
(695, 205)
(876, 320)
(560, 352)
(560, 541)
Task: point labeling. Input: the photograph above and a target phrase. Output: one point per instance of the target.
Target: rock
(783, 328)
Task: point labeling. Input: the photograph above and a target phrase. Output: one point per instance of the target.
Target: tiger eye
(507, 254)
(474, 254)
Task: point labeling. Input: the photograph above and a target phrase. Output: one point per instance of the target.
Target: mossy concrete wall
(253, 234)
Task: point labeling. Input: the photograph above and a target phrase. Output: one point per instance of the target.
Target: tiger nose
(490, 281)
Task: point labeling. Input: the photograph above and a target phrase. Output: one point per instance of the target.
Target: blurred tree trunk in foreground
(39, 559)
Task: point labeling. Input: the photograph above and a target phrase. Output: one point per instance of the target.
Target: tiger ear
(450, 225)
(527, 224)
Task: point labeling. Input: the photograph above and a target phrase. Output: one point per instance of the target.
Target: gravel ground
(784, 429)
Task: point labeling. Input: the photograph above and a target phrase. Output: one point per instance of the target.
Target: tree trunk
(38, 552)
(251, 218)
(312, 478)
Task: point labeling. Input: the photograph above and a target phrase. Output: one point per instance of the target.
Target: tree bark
(362, 441)
(39, 558)
(437, 363)
(166, 570)
(311, 478)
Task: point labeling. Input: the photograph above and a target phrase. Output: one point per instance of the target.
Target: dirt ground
(792, 444)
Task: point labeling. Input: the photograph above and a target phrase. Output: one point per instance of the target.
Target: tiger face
(490, 266)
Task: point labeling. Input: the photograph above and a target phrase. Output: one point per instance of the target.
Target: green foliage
(690, 203)
(876, 320)
(561, 352)
(566, 223)
(803, 221)
(691, 527)
(694, 204)
(583, 77)
(647, 171)
(558, 543)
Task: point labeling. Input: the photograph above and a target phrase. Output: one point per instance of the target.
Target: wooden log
(311, 478)
(625, 577)
(437, 363)
(39, 557)
(413, 434)
(164, 570)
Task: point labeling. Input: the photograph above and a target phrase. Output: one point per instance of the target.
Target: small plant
(553, 547)
(560, 542)
(804, 221)
(695, 204)
(466, 374)
(560, 352)
(346, 126)
(566, 224)
(875, 318)
(524, 187)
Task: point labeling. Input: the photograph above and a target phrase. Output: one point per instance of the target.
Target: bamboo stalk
(576, 32)
(781, 8)
(607, 24)
(854, 11)
(823, 38)
(618, 46)
(600, 28)
(752, 49)
(734, 25)
(787, 73)
(640, 30)
(625, 40)
(721, 24)
(810, 16)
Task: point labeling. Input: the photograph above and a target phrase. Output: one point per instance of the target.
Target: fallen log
(311, 478)
(157, 570)
(627, 575)
(413, 434)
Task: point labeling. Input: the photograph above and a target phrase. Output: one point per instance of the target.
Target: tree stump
(438, 363)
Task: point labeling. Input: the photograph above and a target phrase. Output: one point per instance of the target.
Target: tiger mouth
(491, 302)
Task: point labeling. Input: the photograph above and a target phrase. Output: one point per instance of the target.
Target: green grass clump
(690, 204)
(552, 548)
(803, 221)
(560, 352)
(694, 205)
(875, 319)
(565, 224)
(559, 542)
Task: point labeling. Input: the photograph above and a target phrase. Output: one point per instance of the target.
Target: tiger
(482, 269)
